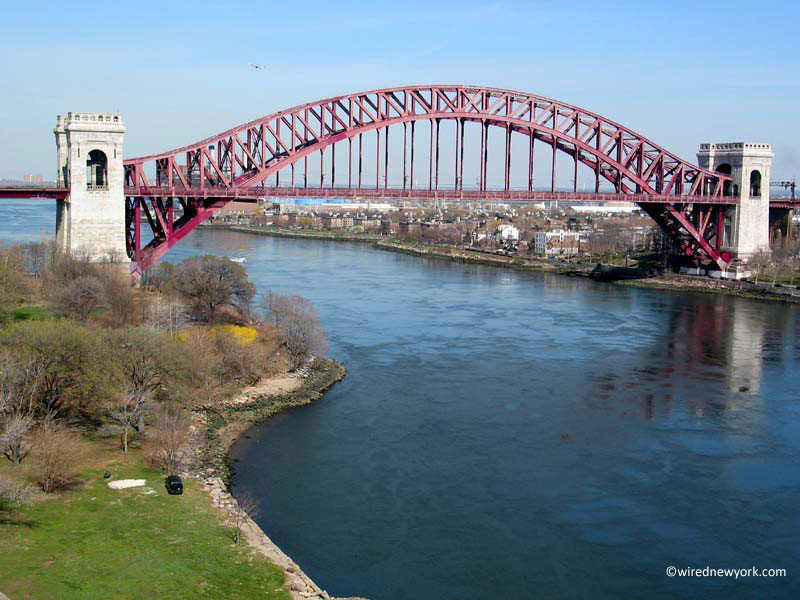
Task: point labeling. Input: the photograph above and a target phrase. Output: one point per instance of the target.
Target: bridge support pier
(91, 220)
(780, 227)
(747, 230)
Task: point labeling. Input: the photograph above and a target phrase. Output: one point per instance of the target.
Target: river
(519, 435)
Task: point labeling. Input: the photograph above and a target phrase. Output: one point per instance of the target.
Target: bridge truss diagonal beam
(239, 162)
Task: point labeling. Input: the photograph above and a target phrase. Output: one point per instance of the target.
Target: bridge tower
(746, 226)
(92, 218)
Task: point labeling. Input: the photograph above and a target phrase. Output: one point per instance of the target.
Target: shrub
(73, 362)
(244, 335)
(167, 446)
(15, 283)
(12, 494)
(80, 297)
(56, 458)
(208, 282)
(121, 299)
(298, 322)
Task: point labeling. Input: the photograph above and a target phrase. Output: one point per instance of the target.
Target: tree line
(103, 357)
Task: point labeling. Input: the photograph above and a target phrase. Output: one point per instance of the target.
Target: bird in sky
(256, 67)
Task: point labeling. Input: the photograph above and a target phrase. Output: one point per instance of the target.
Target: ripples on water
(516, 435)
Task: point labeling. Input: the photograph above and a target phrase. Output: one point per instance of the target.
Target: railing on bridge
(390, 193)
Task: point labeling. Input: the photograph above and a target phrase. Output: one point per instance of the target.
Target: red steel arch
(683, 198)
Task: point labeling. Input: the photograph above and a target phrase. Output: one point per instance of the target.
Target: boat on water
(239, 259)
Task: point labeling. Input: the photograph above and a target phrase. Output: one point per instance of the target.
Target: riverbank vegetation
(102, 378)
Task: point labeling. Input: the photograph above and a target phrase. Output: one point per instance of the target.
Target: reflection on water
(515, 435)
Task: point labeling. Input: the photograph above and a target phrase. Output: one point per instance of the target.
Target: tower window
(725, 169)
(97, 171)
(755, 184)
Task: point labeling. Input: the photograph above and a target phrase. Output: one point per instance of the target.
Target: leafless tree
(297, 321)
(20, 379)
(167, 313)
(56, 457)
(80, 297)
(121, 298)
(129, 410)
(141, 366)
(782, 264)
(245, 508)
(13, 436)
(760, 262)
(208, 282)
(12, 494)
(168, 439)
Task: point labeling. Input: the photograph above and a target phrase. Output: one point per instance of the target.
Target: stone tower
(91, 221)
(750, 166)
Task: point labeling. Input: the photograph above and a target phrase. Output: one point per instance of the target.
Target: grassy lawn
(31, 313)
(95, 542)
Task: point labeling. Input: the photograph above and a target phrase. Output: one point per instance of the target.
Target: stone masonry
(747, 163)
(91, 221)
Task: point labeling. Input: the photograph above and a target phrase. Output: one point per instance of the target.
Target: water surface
(519, 435)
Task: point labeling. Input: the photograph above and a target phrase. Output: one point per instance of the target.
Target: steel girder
(238, 162)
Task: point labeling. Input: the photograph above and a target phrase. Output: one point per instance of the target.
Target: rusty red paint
(640, 170)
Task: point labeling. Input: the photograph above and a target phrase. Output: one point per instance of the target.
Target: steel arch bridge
(687, 201)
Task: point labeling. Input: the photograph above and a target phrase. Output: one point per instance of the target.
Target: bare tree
(208, 282)
(20, 379)
(167, 313)
(760, 262)
(80, 297)
(12, 494)
(142, 363)
(298, 322)
(56, 457)
(169, 437)
(245, 508)
(129, 410)
(782, 263)
(13, 437)
(121, 298)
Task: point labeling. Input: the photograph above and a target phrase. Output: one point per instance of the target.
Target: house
(557, 243)
(507, 232)
(332, 222)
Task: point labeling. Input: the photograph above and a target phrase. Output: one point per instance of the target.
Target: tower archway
(97, 170)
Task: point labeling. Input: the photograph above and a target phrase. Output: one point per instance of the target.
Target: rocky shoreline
(216, 427)
(665, 281)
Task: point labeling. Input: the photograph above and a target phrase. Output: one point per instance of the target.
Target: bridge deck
(513, 196)
(33, 192)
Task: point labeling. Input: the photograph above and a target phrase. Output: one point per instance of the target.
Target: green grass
(31, 313)
(97, 543)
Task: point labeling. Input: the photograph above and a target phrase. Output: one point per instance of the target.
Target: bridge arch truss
(686, 201)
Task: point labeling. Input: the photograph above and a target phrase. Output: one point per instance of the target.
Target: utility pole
(787, 185)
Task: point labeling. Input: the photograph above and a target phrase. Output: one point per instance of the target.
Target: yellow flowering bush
(244, 335)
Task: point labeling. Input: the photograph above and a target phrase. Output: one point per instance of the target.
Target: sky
(681, 73)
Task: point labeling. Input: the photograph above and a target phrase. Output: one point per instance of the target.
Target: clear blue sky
(679, 72)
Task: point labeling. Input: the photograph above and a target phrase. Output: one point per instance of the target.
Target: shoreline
(667, 281)
(217, 428)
